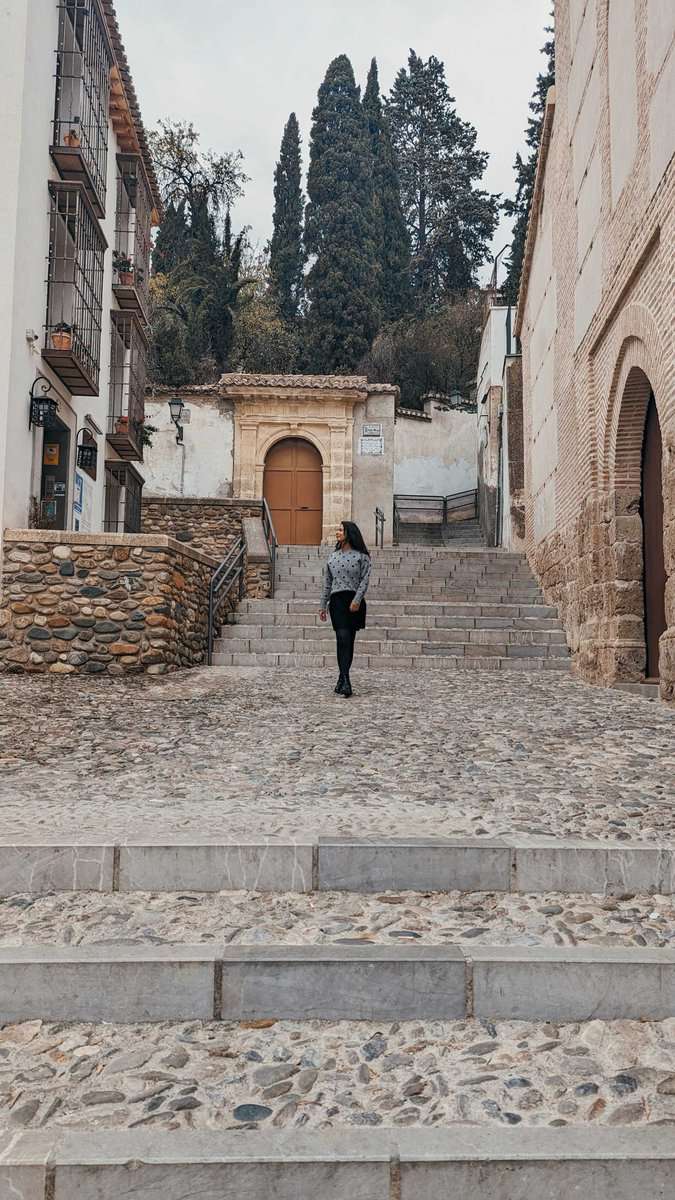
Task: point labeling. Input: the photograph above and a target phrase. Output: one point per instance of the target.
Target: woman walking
(345, 583)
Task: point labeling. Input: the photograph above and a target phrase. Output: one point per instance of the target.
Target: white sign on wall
(374, 429)
(83, 503)
(371, 445)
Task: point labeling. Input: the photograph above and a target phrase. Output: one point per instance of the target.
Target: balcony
(123, 490)
(74, 289)
(80, 128)
(128, 365)
(133, 218)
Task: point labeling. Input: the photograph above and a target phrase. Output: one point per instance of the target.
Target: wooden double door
(293, 489)
(652, 526)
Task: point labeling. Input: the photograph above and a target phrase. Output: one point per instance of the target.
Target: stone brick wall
(604, 261)
(211, 526)
(102, 604)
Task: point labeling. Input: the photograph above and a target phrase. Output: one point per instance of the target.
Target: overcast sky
(236, 70)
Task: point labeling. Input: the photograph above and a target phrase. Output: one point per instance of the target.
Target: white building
(500, 437)
(76, 209)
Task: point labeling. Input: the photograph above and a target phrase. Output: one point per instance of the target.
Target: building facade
(76, 211)
(596, 320)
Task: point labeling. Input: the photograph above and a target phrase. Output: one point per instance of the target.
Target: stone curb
(382, 1164)
(341, 864)
(389, 983)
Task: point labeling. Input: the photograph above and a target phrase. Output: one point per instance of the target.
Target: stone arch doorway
(639, 552)
(293, 489)
(652, 513)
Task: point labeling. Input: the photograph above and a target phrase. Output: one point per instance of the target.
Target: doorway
(54, 479)
(293, 489)
(652, 538)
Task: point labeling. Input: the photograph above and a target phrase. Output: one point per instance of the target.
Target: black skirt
(340, 615)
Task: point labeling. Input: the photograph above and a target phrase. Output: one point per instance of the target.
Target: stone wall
(211, 526)
(102, 604)
(601, 246)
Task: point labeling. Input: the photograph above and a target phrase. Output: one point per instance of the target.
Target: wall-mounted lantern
(176, 406)
(87, 452)
(42, 411)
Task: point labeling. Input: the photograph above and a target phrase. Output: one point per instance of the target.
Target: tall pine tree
(450, 219)
(287, 258)
(172, 244)
(343, 283)
(390, 232)
(526, 169)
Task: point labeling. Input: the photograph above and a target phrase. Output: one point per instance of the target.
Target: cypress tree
(390, 232)
(526, 169)
(343, 281)
(172, 244)
(451, 221)
(287, 257)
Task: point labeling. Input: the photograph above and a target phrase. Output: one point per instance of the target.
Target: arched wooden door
(652, 532)
(293, 488)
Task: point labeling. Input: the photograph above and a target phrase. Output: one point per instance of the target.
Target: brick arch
(638, 369)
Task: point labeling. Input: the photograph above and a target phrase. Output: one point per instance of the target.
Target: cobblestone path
(249, 752)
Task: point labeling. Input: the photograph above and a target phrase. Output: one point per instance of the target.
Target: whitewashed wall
(436, 456)
(203, 466)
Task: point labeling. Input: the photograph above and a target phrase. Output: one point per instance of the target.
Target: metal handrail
(444, 503)
(271, 539)
(230, 571)
(379, 527)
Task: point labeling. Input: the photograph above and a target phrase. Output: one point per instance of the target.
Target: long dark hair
(355, 537)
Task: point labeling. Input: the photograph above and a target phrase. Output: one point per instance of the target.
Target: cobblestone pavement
(288, 1074)
(256, 753)
(251, 918)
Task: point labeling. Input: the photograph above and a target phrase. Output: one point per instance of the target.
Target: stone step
(518, 864)
(190, 981)
(417, 607)
(423, 635)
(485, 643)
(428, 662)
(310, 621)
(299, 1137)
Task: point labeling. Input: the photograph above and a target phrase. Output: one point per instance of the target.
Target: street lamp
(176, 406)
(43, 407)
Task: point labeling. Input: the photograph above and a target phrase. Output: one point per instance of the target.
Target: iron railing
(133, 222)
(379, 527)
(231, 571)
(83, 62)
(122, 499)
(271, 539)
(74, 288)
(435, 509)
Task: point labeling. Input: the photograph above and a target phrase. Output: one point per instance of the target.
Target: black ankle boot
(339, 685)
(346, 687)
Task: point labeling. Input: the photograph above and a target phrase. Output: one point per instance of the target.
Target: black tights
(345, 649)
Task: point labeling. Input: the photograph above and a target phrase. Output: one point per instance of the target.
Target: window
(133, 217)
(128, 363)
(74, 289)
(83, 62)
(123, 489)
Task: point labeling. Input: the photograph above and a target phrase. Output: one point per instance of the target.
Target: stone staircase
(428, 608)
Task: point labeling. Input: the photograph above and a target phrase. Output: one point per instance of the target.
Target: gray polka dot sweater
(346, 571)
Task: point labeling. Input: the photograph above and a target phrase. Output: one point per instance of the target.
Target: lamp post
(176, 406)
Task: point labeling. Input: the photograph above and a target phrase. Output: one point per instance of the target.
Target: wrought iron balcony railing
(123, 492)
(80, 130)
(128, 366)
(133, 219)
(74, 289)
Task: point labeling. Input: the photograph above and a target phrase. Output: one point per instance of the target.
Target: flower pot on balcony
(72, 139)
(122, 425)
(126, 278)
(62, 339)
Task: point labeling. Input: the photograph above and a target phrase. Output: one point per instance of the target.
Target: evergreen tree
(343, 281)
(172, 244)
(526, 169)
(390, 233)
(287, 257)
(451, 221)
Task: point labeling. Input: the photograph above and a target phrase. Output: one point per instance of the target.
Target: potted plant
(62, 336)
(124, 267)
(146, 433)
(122, 424)
(71, 137)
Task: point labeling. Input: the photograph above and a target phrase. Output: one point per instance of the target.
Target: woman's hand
(354, 606)
(322, 615)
